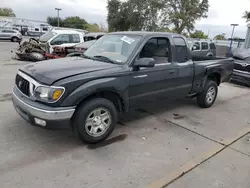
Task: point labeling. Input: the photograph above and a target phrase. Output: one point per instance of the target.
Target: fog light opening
(40, 122)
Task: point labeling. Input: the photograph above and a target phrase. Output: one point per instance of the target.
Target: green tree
(7, 12)
(198, 35)
(53, 21)
(144, 14)
(74, 22)
(153, 15)
(220, 37)
(237, 39)
(246, 15)
(93, 28)
(183, 14)
(114, 14)
(166, 29)
(133, 15)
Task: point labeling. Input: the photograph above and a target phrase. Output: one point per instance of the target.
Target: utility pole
(58, 9)
(229, 50)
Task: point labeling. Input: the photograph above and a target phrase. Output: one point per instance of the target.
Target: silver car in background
(202, 48)
(10, 34)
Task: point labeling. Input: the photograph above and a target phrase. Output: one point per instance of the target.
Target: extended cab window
(204, 46)
(182, 54)
(60, 39)
(157, 48)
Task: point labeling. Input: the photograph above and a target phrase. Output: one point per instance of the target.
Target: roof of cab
(66, 32)
(95, 34)
(146, 33)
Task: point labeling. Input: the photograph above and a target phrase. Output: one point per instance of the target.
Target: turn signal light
(56, 94)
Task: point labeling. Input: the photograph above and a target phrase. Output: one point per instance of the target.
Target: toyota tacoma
(120, 71)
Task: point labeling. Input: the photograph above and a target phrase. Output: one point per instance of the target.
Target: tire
(14, 39)
(95, 131)
(33, 39)
(205, 101)
(35, 56)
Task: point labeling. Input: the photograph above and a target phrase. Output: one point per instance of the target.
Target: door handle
(171, 71)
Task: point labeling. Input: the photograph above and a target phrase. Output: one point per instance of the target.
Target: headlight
(48, 93)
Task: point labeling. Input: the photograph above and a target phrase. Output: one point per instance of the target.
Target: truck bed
(206, 58)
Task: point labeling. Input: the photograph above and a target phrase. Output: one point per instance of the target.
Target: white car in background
(10, 34)
(61, 38)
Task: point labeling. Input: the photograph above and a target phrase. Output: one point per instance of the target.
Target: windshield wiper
(107, 59)
(85, 56)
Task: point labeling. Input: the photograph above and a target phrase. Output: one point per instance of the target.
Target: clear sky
(221, 12)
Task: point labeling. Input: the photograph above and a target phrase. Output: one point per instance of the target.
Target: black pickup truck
(120, 71)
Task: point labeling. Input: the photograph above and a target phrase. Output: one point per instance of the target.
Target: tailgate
(227, 66)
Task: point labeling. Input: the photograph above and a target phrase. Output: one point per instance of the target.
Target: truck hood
(49, 71)
(240, 53)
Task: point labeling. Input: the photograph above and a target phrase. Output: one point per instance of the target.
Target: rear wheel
(95, 120)
(209, 94)
(14, 39)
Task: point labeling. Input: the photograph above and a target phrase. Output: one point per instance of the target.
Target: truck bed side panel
(203, 69)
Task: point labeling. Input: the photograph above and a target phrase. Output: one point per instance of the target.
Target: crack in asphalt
(240, 152)
(5, 97)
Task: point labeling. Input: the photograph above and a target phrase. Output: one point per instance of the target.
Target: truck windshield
(117, 48)
(45, 37)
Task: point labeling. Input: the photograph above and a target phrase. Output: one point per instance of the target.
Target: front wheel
(95, 120)
(208, 95)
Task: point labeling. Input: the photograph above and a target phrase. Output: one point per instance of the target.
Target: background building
(31, 27)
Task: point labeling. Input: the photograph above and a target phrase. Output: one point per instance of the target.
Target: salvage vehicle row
(55, 44)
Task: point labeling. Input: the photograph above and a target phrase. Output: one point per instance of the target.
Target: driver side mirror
(144, 62)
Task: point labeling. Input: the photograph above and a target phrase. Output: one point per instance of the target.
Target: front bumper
(31, 110)
(241, 77)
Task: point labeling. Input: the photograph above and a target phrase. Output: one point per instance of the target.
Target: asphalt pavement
(168, 144)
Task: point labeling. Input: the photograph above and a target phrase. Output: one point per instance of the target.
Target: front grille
(242, 68)
(23, 85)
